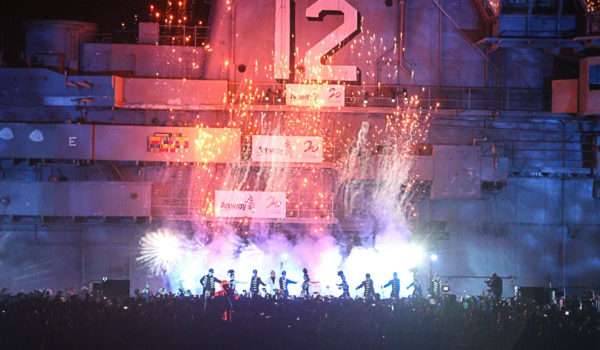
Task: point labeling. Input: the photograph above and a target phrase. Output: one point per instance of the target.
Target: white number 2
(314, 68)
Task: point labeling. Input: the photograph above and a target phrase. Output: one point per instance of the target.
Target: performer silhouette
(208, 283)
(272, 284)
(367, 284)
(416, 285)
(283, 285)
(343, 286)
(306, 284)
(255, 283)
(395, 284)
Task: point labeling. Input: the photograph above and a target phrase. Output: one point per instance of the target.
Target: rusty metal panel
(564, 96)
(589, 99)
(169, 93)
(89, 199)
(457, 172)
(45, 141)
(167, 144)
(494, 169)
(370, 167)
(422, 168)
(189, 192)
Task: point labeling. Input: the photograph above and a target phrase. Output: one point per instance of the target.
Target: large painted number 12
(314, 67)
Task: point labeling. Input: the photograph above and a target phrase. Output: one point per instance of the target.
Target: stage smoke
(381, 201)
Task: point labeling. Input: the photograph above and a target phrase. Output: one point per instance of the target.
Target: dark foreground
(41, 321)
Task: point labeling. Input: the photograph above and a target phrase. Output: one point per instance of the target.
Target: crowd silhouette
(43, 320)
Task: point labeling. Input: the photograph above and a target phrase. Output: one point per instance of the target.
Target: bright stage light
(415, 255)
(160, 251)
(392, 254)
(433, 257)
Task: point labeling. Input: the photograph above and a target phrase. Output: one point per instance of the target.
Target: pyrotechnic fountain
(244, 244)
(266, 250)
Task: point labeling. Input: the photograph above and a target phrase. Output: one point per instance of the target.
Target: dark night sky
(108, 14)
(105, 12)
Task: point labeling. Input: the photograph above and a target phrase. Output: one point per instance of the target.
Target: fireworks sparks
(173, 12)
(260, 108)
(367, 161)
(184, 262)
(592, 6)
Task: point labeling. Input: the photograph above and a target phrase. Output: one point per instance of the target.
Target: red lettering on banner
(310, 147)
(334, 93)
(273, 202)
(247, 205)
(163, 142)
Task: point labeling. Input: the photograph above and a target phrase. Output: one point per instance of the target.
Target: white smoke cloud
(384, 246)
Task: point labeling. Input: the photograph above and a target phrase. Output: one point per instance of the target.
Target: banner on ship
(315, 95)
(287, 149)
(247, 204)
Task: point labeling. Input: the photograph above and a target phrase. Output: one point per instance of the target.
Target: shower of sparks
(171, 12)
(592, 6)
(258, 108)
(368, 160)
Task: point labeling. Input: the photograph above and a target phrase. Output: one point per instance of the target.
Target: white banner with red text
(247, 204)
(287, 149)
(315, 95)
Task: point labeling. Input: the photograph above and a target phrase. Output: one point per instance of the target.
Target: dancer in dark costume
(367, 284)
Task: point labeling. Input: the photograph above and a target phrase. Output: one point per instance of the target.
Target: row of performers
(278, 287)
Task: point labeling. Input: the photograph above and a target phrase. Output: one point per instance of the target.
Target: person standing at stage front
(367, 284)
(255, 283)
(232, 284)
(306, 284)
(229, 288)
(495, 285)
(284, 282)
(208, 283)
(344, 286)
(272, 285)
(416, 285)
(395, 284)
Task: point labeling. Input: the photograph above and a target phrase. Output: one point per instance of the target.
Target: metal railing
(179, 35)
(555, 25)
(542, 34)
(189, 209)
(444, 97)
(566, 156)
(184, 197)
(183, 35)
